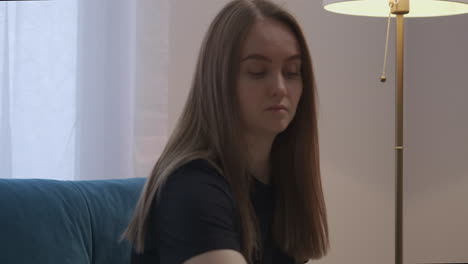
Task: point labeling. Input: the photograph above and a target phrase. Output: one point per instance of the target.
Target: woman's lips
(277, 108)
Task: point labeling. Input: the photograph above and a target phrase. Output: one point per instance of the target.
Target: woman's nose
(279, 86)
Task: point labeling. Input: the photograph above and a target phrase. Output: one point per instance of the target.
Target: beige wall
(356, 125)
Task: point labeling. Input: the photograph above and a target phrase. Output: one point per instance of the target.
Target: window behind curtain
(38, 86)
(83, 90)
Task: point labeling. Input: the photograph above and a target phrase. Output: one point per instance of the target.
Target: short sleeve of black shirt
(196, 214)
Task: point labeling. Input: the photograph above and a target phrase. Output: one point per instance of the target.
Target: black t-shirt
(197, 213)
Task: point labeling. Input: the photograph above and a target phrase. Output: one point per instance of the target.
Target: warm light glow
(380, 8)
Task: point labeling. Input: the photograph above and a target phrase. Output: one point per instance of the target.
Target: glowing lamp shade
(380, 8)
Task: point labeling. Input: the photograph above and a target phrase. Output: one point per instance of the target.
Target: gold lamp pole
(399, 8)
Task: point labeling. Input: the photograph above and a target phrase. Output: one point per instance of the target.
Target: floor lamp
(399, 8)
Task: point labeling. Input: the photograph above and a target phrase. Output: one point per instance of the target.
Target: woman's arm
(222, 256)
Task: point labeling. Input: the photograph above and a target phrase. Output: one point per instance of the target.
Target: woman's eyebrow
(264, 58)
(294, 57)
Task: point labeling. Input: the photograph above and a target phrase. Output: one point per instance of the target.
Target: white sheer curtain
(83, 88)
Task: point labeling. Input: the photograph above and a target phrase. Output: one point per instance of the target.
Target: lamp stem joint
(399, 6)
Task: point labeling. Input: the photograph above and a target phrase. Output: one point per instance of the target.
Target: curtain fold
(84, 88)
(5, 123)
(106, 37)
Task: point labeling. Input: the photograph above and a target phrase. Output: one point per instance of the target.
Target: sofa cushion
(49, 221)
(110, 204)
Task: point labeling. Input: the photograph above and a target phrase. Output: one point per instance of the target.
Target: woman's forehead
(270, 38)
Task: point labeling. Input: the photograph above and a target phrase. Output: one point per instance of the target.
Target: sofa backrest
(66, 222)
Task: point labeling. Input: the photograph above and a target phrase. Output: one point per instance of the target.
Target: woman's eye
(257, 74)
(293, 74)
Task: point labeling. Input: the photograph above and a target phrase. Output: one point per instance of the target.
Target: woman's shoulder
(198, 165)
(198, 177)
(195, 214)
(195, 170)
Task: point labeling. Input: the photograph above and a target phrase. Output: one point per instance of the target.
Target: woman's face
(269, 83)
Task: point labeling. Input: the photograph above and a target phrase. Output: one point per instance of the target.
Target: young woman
(239, 179)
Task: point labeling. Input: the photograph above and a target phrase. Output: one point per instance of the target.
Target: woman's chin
(270, 128)
(278, 128)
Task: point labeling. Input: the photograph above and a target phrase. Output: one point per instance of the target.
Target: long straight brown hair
(209, 128)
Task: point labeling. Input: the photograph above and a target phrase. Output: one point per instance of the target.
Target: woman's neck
(259, 149)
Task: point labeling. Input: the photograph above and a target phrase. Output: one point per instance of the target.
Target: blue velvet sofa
(66, 222)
